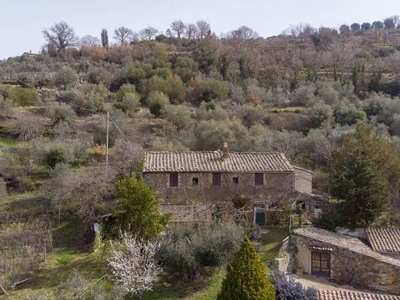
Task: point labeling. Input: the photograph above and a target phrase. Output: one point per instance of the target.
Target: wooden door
(320, 263)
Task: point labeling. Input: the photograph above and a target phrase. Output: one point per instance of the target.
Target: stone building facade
(344, 259)
(215, 176)
(303, 180)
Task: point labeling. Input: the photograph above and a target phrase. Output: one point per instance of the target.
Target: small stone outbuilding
(344, 259)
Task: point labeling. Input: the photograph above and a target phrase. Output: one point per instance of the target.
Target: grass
(272, 241)
(28, 202)
(206, 288)
(209, 287)
(8, 142)
(73, 252)
(59, 267)
(61, 263)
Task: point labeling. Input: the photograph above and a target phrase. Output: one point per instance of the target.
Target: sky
(22, 21)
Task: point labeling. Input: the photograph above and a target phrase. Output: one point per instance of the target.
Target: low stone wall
(282, 264)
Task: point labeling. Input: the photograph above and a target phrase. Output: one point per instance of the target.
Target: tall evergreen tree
(104, 38)
(364, 170)
(246, 278)
(138, 210)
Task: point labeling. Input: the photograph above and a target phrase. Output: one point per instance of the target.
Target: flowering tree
(135, 267)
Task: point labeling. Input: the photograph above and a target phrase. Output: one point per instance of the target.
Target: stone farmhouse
(214, 178)
(349, 260)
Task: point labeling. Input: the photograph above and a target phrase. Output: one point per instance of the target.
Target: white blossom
(134, 267)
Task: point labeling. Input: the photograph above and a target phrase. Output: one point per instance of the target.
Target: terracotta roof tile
(212, 161)
(349, 295)
(384, 240)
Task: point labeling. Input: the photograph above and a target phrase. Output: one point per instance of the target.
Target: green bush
(186, 249)
(246, 278)
(24, 96)
(54, 157)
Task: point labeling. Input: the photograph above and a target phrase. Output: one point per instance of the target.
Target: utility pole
(108, 129)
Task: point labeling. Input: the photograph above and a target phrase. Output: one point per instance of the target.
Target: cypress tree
(365, 172)
(246, 278)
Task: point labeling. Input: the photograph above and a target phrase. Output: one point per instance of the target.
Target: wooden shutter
(216, 179)
(259, 178)
(173, 179)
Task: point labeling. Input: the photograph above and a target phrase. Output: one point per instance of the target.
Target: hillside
(300, 93)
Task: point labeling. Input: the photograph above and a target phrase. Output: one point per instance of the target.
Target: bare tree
(203, 29)
(127, 157)
(244, 33)
(148, 33)
(191, 31)
(90, 41)
(299, 30)
(393, 63)
(135, 269)
(123, 35)
(86, 190)
(27, 126)
(60, 36)
(178, 27)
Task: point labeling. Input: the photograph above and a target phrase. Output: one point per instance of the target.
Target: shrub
(253, 99)
(54, 157)
(60, 112)
(246, 278)
(3, 189)
(289, 289)
(156, 102)
(347, 114)
(240, 202)
(24, 96)
(330, 217)
(186, 250)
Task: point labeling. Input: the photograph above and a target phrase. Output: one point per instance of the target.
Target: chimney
(225, 152)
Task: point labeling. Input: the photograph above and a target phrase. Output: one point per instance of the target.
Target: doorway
(320, 263)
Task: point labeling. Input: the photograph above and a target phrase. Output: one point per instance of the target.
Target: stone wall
(357, 267)
(275, 185)
(303, 180)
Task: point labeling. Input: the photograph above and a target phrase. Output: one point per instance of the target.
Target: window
(173, 179)
(195, 181)
(235, 180)
(216, 179)
(259, 178)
